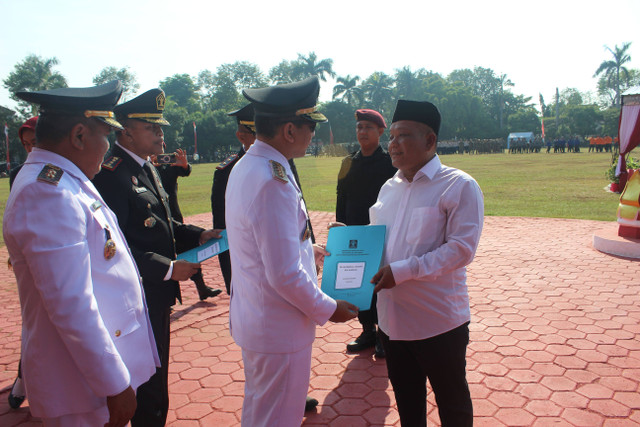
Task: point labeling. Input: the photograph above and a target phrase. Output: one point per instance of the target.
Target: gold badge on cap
(109, 246)
(278, 171)
(134, 180)
(150, 222)
(160, 101)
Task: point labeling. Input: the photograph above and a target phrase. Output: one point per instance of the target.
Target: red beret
(29, 124)
(371, 116)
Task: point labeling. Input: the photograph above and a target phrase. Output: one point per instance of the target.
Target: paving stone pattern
(554, 340)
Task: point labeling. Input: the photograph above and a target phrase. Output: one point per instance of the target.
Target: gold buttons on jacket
(118, 333)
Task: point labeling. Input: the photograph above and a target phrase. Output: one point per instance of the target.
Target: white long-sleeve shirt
(433, 228)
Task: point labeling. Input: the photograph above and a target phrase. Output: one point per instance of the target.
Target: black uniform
(218, 189)
(169, 175)
(359, 183)
(13, 173)
(142, 207)
(220, 179)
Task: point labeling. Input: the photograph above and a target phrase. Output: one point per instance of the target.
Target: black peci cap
(290, 99)
(147, 107)
(244, 116)
(418, 111)
(96, 101)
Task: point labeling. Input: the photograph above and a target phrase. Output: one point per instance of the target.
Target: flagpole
(6, 134)
(195, 142)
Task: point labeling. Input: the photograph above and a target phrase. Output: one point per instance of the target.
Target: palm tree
(377, 89)
(612, 68)
(307, 66)
(34, 73)
(407, 83)
(347, 89)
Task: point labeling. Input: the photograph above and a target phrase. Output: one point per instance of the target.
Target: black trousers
(441, 359)
(369, 318)
(225, 265)
(153, 396)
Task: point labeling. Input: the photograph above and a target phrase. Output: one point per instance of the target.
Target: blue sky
(540, 45)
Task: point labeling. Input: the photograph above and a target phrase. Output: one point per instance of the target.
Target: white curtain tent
(629, 128)
(528, 136)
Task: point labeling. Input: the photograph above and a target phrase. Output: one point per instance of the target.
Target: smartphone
(166, 159)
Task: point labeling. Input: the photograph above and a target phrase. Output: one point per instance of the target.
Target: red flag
(330, 135)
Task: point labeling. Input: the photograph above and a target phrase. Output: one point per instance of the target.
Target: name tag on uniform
(96, 205)
(140, 189)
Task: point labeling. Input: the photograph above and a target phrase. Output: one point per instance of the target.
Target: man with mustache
(131, 186)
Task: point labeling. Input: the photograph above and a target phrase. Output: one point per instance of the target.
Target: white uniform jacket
(275, 299)
(85, 329)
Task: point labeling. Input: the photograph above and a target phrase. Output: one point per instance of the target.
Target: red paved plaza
(554, 340)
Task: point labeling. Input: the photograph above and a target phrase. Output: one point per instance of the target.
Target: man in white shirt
(434, 215)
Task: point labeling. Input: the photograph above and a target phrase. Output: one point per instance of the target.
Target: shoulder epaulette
(111, 163)
(227, 161)
(278, 171)
(50, 174)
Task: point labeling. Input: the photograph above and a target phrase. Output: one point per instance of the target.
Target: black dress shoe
(366, 340)
(310, 404)
(16, 401)
(207, 292)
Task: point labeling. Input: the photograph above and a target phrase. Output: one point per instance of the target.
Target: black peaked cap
(289, 99)
(95, 101)
(147, 107)
(245, 116)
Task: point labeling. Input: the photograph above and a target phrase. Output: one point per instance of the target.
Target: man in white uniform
(434, 217)
(275, 299)
(86, 339)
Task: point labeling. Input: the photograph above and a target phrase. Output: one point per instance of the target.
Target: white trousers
(99, 417)
(275, 389)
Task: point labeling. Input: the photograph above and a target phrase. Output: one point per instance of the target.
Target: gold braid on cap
(145, 115)
(98, 113)
(306, 110)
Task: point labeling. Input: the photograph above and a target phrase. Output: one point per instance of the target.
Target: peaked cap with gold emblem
(147, 107)
(96, 101)
(289, 99)
(244, 116)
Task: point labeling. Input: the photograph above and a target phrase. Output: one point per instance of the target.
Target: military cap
(418, 111)
(30, 124)
(370, 116)
(147, 107)
(289, 99)
(96, 101)
(244, 116)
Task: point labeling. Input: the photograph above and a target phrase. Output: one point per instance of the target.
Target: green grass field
(568, 185)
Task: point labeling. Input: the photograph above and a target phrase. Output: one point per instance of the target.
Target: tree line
(475, 103)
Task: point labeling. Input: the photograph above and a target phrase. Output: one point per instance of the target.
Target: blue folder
(211, 248)
(356, 254)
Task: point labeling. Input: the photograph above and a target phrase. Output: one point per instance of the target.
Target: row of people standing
(433, 215)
